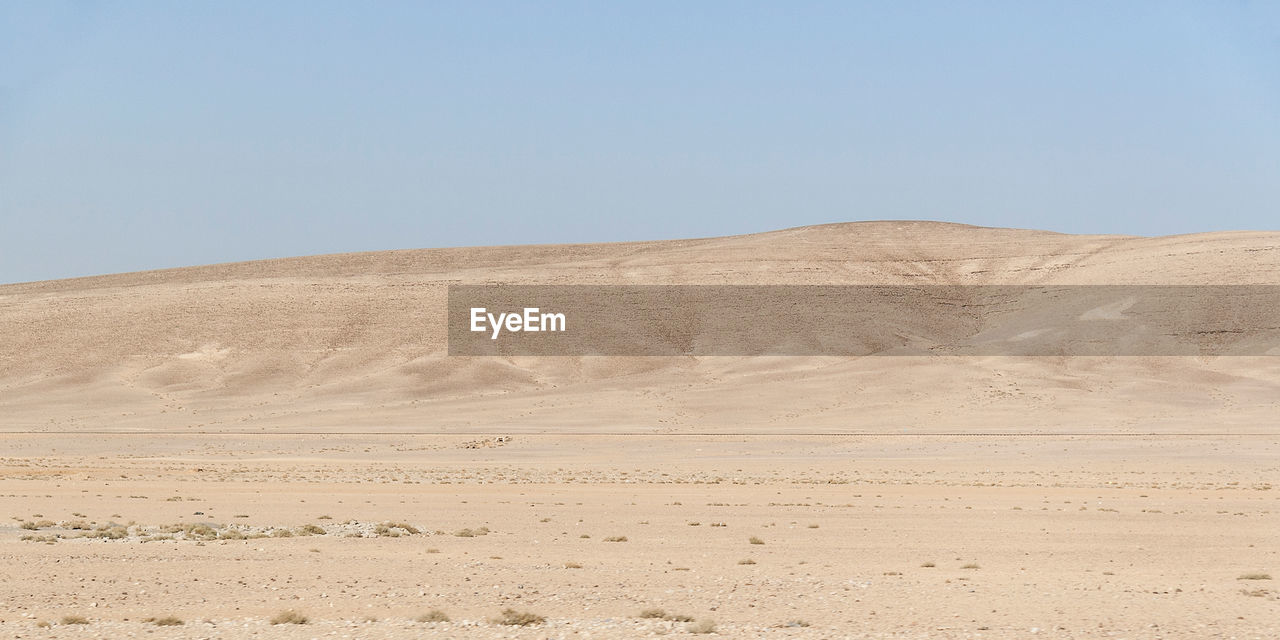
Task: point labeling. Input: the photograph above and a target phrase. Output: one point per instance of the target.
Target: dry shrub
(512, 617)
(289, 616)
(659, 614)
(702, 626)
(406, 527)
(109, 533)
(434, 615)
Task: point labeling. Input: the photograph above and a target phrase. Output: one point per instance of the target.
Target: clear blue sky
(139, 135)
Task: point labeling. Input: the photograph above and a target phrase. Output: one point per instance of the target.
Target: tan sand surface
(167, 437)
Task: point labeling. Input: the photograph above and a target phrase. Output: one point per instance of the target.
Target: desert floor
(860, 536)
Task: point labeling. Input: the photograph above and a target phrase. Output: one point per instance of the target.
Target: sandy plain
(186, 419)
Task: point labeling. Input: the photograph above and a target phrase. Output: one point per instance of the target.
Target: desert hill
(357, 342)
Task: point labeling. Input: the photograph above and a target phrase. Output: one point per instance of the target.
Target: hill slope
(357, 342)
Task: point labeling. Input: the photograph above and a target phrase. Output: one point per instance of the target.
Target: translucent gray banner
(788, 320)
